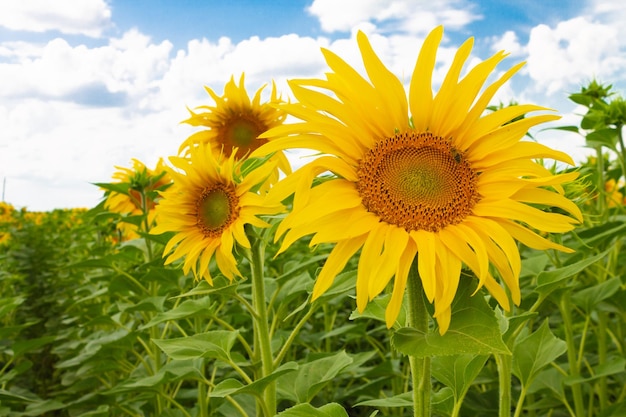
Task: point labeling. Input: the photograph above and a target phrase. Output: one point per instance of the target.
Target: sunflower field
(433, 258)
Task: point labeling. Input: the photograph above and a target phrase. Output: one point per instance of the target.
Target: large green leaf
(548, 281)
(458, 371)
(590, 297)
(307, 410)
(301, 386)
(215, 344)
(535, 351)
(187, 308)
(612, 366)
(27, 345)
(442, 401)
(473, 329)
(233, 386)
(173, 371)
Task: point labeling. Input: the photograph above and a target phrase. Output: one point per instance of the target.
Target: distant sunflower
(143, 184)
(235, 123)
(447, 183)
(207, 207)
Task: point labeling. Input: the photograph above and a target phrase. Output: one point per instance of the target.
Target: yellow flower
(143, 183)
(447, 183)
(207, 207)
(614, 197)
(235, 123)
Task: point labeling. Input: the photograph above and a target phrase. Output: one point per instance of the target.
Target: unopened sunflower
(207, 207)
(235, 123)
(447, 183)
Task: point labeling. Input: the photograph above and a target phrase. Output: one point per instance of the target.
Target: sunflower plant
(423, 187)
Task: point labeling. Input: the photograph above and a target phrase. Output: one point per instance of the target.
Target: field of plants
(131, 308)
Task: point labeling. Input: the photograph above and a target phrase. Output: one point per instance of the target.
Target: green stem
(520, 402)
(263, 348)
(602, 357)
(620, 138)
(292, 336)
(504, 364)
(420, 367)
(565, 306)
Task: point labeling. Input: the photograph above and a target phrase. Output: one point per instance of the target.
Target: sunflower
(142, 183)
(448, 183)
(207, 207)
(235, 123)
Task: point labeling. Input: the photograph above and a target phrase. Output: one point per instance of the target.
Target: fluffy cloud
(403, 15)
(85, 17)
(574, 51)
(126, 66)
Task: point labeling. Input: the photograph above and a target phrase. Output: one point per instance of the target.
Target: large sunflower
(448, 183)
(235, 123)
(207, 207)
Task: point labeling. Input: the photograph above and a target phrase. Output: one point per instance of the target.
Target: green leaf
(27, 345)
(116, 187)
(458, 371)
(602, 137)
(599, 234)
(301, 386)
(442, 401)
(590, 297)
(153, 304)
(233, 386)
(215, 344)
(402, 400)
(187, 308)
(307, 410)
(204, 288)
(549, 281)
(473, 329)
(172, 371)
(13, 396)
(614, 365)
(9, 304)
(534, 265)
(101, 411)
(566, 128)
(535, 351)
(42, 407)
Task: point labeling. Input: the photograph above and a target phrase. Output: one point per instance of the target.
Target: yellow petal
(449, 89)
(370, 256)
(395, 242)
(421, 90)
(393, 100)
(399, 283)
(426, 261)
(509, 209)
(335, 263)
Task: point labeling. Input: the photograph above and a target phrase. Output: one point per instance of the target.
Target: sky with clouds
(86, 85)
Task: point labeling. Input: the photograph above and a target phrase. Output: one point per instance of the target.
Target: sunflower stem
(504, 363)
(263, 348)
(420, 367)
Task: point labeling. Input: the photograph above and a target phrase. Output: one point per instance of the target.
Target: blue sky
(89, 84)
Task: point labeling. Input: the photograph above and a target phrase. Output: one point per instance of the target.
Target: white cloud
(127, 66)
(508, 42)
(85, 17)
(575, 51)
(405, 15)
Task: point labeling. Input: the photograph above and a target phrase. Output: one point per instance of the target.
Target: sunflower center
(417, 181)
(242, 132)
(217, 208)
